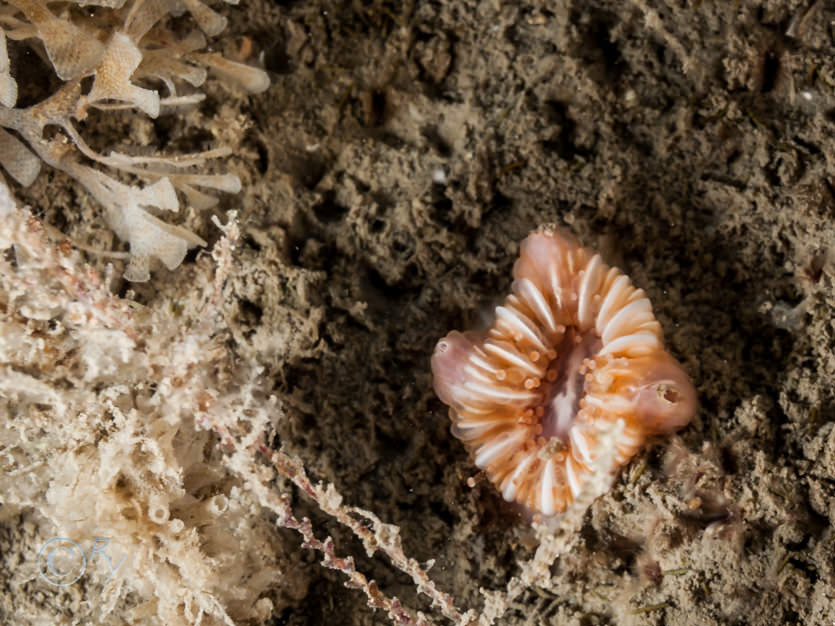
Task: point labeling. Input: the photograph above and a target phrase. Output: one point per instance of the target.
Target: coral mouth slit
(574, 349)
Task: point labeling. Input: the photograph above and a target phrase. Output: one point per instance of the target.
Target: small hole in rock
(329, 210)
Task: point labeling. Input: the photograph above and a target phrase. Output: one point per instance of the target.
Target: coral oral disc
(574, 349)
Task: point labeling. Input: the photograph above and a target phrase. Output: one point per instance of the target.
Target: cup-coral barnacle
(574, 349)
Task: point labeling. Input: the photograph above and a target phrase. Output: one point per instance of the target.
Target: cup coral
(574, 350)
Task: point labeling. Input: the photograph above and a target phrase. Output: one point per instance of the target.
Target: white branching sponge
(101, 401)
(135, 61)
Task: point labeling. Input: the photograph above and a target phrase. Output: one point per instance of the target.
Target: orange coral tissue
(574, 349)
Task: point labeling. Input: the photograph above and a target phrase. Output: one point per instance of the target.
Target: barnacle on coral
(574, 349)
(132, 57)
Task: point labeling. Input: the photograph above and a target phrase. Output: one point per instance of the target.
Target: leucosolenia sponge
(116, 54)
